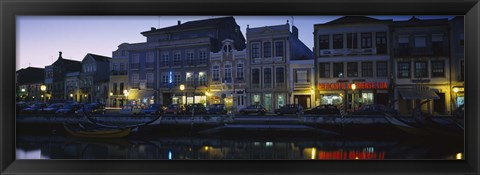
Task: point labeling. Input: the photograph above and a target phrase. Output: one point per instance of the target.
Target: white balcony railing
(335, 52)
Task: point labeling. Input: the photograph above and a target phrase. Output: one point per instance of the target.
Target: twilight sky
(39, 38)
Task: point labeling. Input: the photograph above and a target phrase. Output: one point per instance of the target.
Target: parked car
(19, 106)
(253, 109)
(370, 109)
(92, 108)
(216, 109)
(174, 109)
(323, 109)
(197, 108)
(130, 109)
(33, 109)
(68, 109)
(153, 109)
(289, 109)
(51, 109)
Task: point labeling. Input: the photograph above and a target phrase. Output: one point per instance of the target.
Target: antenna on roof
(292, 20)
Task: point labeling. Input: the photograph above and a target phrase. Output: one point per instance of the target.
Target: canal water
(210, 148)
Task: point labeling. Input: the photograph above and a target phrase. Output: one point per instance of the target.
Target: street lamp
(43, 88)
(182, 88)
(353, 96)
(125, 93)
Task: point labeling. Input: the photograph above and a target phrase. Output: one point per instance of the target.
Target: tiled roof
(192, 24)
(352, 20)
(100, 57)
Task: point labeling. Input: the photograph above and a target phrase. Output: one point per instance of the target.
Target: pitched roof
(30, 75)
(191, 24)
(416, 22)
(100, 57)
(354, 19)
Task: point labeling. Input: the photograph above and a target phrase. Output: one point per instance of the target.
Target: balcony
(426, 51)
(343, 52)
(118, 72)
(150, 65)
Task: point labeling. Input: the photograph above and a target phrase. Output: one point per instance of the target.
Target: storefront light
(455, 90)
(43, 87)
(23, 90)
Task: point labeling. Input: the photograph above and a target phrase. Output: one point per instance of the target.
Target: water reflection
(66, 147)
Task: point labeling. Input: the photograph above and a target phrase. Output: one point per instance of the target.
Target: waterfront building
(94, 77)
(28, 82)
(352, 50)
(118, 83)
(301, 79)
(55, 77)
(457, 67)
(160, 65)
(228, 83)
(270, 49)
(421, 58)
(72, 87)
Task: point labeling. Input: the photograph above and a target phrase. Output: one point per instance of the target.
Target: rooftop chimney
(152, 28)
(295, 31)
(179, 22)
(60, 54)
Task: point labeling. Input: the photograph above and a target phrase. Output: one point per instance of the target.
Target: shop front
(236, 99)
(353, 95)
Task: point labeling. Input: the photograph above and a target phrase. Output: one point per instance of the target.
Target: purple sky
(39, 38)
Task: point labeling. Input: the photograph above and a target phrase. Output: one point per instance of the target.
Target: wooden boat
(429, 128)
(92, 131)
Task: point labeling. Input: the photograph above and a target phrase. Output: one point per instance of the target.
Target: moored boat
(92, 131)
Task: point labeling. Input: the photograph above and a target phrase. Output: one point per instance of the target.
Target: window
(228, 73)
(202, 57)
(352, 40)
(267, 77)
(202, 79)
(256, 78)
(135, 82)
(114, 88)
(338, 70)
(366, 40)
(403, 69)
(150, 63)
(382, 70)
(279, 48)
(135, 61)
(255, 50)
(352, 69)
(438, 68)
(216, 73)
(338, 41)
(121, 87)
(150, 80)
(437, 44)
(164, 80)
(122, 66)
(381, 42)
(420, 41)
(165, 61)
(421, 69)
(367, 69)
(115, 66)
(302, 76)
(177, 79)
(177, 59)
(323, 42)
(280, 75)
(189, 59)
(324, 69)
(267, 49)
(239, 71)
(189, 78)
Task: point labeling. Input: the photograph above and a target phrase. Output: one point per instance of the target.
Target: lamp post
(111, 99)
(353, 96)
(182, 88)
(43, 88)
(455, 91)
(125, 93)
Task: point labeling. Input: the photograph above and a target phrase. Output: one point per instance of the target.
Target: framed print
(185, 87)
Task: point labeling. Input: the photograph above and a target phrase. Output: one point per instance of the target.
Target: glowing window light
(459, 156)
(314, 152)
(169, 155)
(170, 79)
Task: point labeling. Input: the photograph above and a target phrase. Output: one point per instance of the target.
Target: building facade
(352, 50)
(55, 77)
(301, 78)
(457, 61)
(228, 80)
(177, 55)
(28, 82)
(421, 58)
(118, 83)
(270, 49)
(72, 87)
(94, 77)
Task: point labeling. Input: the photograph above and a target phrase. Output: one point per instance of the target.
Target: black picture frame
(9, 9)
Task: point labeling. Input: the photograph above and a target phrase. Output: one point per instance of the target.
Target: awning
(415, 94)
(140, 94)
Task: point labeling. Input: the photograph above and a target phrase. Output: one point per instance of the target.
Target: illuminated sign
(358, 85)
(170, 79)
